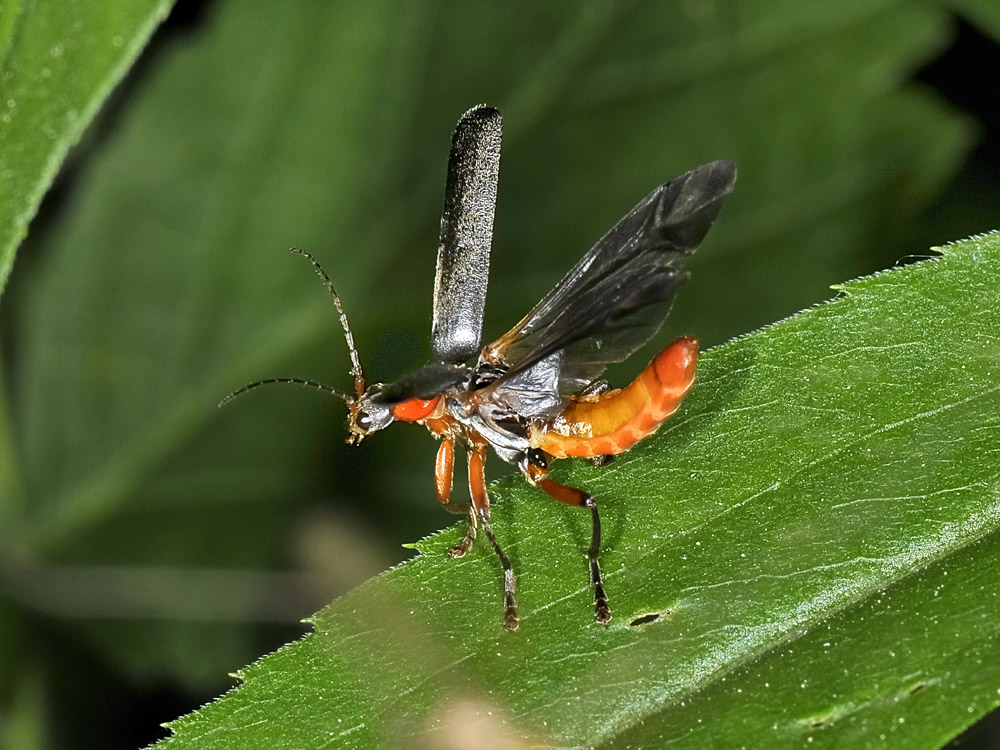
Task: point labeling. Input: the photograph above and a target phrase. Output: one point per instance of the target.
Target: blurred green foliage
(58, 66)
(157, 280)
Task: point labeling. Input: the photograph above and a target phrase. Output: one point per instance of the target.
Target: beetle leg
(537, 473)
(444, 469)
(469, 539)
(481, 506)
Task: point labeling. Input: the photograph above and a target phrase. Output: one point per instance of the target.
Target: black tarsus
(466, 509)
(510, 618)
(602, 609)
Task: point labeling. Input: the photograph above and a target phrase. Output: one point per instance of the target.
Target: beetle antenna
(356, 371)
(293, 381)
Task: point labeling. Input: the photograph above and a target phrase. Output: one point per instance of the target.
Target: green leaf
(164, 282)
(161, 282)
(58, 63)
(807, 551)
(984, 13)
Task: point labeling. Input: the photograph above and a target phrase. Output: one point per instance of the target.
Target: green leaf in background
(806, 553)
(58, 63)
(145, 518)
(984, 13)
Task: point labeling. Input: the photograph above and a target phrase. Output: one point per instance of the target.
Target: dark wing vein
(616, 297)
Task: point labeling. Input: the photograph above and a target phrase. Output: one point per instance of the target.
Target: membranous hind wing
(463, 262)
(613, 300)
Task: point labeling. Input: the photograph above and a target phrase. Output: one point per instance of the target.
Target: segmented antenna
(356, 372)
(294, 381)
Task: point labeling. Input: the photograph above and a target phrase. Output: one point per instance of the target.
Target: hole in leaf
(645, 619)
(917, 688)
(814, 723)
(649, 617)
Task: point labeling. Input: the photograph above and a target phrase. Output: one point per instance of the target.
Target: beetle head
(367, 414)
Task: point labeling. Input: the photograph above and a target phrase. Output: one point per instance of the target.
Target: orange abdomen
(610, 423)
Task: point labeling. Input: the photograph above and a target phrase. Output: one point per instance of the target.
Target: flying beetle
(533, 395)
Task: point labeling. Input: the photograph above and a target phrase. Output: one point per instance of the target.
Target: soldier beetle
(533, 395)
